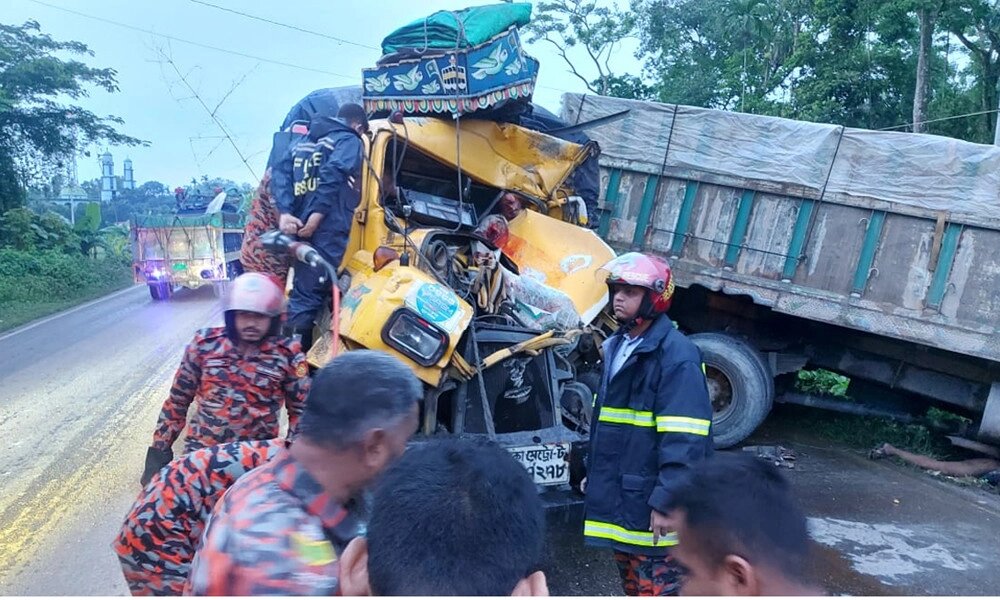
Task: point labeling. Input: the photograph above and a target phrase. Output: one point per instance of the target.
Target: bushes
(46, 266)
(33, 284)
(27, 277)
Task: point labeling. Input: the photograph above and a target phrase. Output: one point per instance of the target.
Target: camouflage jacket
(275, 532)
(236, 397)
(162, 531)
(263, 218)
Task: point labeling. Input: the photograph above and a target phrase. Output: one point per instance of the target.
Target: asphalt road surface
(80, 393)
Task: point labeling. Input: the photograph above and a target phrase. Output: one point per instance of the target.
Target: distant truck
(796, 245)
(198, 244)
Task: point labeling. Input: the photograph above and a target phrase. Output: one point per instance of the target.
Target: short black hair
(355, 392)
(738, 504)
(454, 517)
(353, 114)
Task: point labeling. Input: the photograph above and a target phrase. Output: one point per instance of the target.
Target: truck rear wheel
(740, 385)
(159, 291)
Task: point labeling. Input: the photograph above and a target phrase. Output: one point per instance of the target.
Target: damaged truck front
(466, 261)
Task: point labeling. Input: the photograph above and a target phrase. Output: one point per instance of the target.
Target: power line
(199, 44)
(285, 25)
(974, 114)
(234, 52)
(319, 34)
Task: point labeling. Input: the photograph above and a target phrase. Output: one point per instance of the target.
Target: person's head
(452, 517)
(252, 308)
(355, 117)
(739, 530)
(363, 404)
(640, 286)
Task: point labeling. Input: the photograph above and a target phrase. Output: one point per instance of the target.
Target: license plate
(548, 464)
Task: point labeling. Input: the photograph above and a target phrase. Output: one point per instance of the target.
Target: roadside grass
(865, 432)
(33, 285)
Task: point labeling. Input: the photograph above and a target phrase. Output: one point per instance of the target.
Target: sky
(255, 95)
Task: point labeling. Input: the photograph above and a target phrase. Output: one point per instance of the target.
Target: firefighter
(158, 538)
(327, 172)
(652, 423)
(276, 188)
(238, 377)
(263, 217)
(282, 527)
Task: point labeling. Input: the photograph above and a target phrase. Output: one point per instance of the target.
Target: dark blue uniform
(652, 422)
(327, 180)
(293, 130)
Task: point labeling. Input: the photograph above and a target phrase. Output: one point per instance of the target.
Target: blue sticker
(353, 298)
(435, 302)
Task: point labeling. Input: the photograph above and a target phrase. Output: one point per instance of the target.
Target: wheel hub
(720, 391)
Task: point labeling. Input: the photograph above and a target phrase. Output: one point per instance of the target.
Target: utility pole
(996, 130)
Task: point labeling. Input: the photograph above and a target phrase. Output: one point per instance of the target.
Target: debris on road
(779, 456)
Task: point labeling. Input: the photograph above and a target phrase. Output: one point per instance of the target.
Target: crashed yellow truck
(501, 319)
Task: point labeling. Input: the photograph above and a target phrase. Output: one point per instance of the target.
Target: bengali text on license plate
(547, 463)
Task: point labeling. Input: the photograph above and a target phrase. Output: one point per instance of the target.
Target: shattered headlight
(415, 337)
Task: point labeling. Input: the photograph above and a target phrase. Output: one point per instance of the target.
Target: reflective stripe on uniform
(627, 416)
(616, 533)
(673, 424)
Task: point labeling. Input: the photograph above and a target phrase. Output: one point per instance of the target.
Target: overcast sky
(157, 107)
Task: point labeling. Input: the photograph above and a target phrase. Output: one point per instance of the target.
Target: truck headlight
(415, 337)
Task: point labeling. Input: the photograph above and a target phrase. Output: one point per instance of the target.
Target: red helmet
(643, 270)
(257, 293)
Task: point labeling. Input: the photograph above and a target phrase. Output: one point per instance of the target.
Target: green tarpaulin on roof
(472, 27)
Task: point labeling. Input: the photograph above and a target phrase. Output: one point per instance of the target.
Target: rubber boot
(305, 337)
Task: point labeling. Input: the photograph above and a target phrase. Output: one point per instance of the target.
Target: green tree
(729, 54)
(569, 25)
(34, 122)
(976, 24)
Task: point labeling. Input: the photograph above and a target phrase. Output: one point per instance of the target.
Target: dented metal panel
(832, 249)
(975, 277)
(902, 277)
(768, 236)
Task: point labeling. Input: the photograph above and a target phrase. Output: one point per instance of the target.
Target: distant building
(109, 186)
(128, 183)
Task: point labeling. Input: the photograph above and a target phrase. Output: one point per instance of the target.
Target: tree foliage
(880, 64)
(596, 31)
(37, 128)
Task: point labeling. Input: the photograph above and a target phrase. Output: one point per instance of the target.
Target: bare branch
(214, 117)
(572, 69)
(233, 88)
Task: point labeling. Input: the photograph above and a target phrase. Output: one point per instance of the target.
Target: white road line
(69, 311)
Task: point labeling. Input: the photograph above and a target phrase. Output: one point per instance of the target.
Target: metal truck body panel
(859, 258)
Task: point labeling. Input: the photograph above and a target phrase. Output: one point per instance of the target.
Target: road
(79, 396)
(80, 392)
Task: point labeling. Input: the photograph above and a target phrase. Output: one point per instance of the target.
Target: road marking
(68, 311)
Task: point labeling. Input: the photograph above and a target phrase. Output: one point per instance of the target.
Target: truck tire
(159, 291)
(740, 384)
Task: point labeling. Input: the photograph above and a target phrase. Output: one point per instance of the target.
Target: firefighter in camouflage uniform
(160, 534)
(263, 218)
(652, 424)
(281, 529)
(237, 376)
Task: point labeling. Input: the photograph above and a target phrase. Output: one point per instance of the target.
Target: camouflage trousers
(163, 579)
(648, 575)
